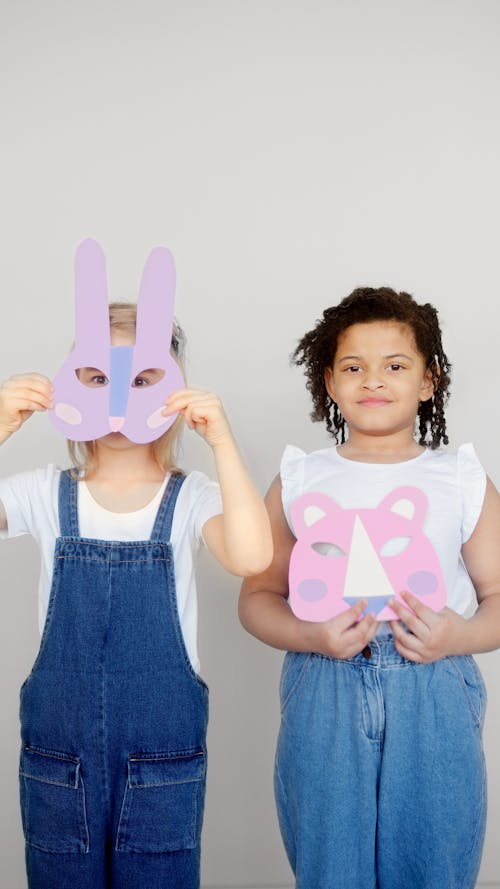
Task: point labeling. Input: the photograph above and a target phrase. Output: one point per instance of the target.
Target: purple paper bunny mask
(343, 555)
(84, 413)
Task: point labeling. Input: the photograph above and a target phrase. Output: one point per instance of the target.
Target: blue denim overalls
(113, 719)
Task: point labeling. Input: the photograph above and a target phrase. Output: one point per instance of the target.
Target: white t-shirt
(454, 484)
(30, 500)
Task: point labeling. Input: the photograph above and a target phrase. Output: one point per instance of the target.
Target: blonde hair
(122, 318)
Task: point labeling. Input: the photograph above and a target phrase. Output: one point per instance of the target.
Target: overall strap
(68, 505)
(163, 522)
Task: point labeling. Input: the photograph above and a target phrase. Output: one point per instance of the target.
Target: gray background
(286, 152)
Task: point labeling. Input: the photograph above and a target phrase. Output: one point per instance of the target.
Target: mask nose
(120, 369)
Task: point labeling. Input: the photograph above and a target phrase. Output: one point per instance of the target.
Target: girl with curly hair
(379, 773)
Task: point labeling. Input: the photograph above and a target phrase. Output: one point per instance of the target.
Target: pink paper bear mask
(343, 555)
(82, 413)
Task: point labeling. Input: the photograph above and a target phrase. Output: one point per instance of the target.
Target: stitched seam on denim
(125, 817)
(296, 684)
(195, 818)
(162, 527)
(54, 591)
(54, 754)
(172, 599)
(166, 783)
(122, 818)
(481, 685)
(167, 755)
(103, 665)
(160, 519)
(85, 821)
(113, 544)
(52, 852)
(374, 732)
(81, 815)
(105, 561)
(68, 505)
(280, 779)
(475, 716)
(47, 781)
(466, 880)
(285, 669)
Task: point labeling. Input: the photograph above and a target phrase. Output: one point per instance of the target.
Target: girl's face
(378, 377)
(94, 378)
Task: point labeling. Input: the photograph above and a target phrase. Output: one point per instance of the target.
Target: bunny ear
(155, 306)
(91, 296)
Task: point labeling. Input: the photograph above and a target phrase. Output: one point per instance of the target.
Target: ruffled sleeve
(292, 477)
(472, 484)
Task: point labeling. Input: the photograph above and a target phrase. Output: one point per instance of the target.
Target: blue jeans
(380, 779)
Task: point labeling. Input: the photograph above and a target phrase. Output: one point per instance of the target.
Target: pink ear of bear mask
(83, 413)
(343, 555)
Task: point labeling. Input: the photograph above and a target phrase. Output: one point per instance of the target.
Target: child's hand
(433, 634)
(345, 635)
(20, 396)
(202, 412)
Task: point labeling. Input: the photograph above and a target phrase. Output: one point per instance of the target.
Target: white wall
(286, 152)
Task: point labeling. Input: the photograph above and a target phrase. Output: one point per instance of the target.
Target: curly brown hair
(317, 348)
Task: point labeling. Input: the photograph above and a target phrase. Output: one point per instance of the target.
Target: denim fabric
(380, 779)
(113, 719)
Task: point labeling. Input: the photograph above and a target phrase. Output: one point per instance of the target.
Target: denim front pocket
(292, 673)
(472, 684)
(52, 801)
(163, 803)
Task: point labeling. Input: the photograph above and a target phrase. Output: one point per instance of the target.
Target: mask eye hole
(148, 377)
(394, 546)
(91, 377)
(331, 550)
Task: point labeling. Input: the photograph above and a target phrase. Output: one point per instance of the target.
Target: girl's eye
(395, 367)
(91, 377)
(354, 368)
(148, 377)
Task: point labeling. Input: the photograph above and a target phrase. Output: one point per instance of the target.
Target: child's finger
(410, 641)
(32, 376)
(351, 616)
(426, 614)
(15, 398)
(183, 397)
(360, 635)
(200, 411)
(413, 621)
(179, 405)
(32, 381)
(12, 388)
(406, 644)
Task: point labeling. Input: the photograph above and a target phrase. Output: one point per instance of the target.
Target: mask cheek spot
(312, 590)
(422, 583)
(68, 413)
(157, 419)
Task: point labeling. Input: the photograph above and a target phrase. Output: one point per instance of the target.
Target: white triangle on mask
(365, 577)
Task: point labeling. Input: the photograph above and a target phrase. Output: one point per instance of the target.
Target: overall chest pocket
(52, 801)
(162, 807)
